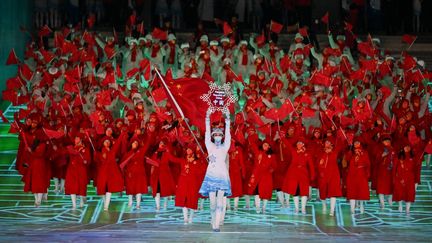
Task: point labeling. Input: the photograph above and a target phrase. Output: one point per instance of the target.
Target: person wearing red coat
(189, 183)
(161, 179)
(404, 179)
(133, 168)
(357, 182)
(261, 182)
(76, 179)
(37, 176)
(386, 159)
(299, 175)
(109, 177)
(329, 182)
(237, 173)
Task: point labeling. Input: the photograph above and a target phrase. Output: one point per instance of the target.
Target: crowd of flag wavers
(348, 120)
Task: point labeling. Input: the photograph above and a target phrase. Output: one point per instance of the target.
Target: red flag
(12, 58)
(70, 87)
(409, 39)
(25, 72)
(366, 49)
(14, 83)
(131, 73)
(254, 118)
(358, 74)
(185, 97)
(260, 39)
(140, 28)
(275, 27)
(227, 29)
(308, 112)
(132, 20)
(159, 34)
(303, 31)
(47, 56)
(91, 20)
(348, 26)
(159, 95)
(320, 79)
(52, 134)
(369, 65)
(272, 114)
(384, 69)
(325, 18)
(408, 62)
(44, 31)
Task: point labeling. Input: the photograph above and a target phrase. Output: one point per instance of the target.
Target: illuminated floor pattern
(55, 221)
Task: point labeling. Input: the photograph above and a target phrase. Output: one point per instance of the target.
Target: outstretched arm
(227, 129)
(207, 137)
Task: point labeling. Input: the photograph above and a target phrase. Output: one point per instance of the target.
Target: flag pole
(178, 108)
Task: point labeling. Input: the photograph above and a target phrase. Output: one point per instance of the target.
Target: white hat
(184, 45)
(132, 41)
(142, 39)
(217, 131)
(204, 38)
(256, 56)
(149, 37)
(298, 36)
(52, 70)
(213, 43)
(243, 42)
(421, 63)
(340, 37)
(109, 38)
(376, 40)
(171, 37)
(224, 39)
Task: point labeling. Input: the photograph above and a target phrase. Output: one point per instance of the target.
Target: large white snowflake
(223, 95)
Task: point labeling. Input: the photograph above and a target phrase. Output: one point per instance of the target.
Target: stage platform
(55, 221)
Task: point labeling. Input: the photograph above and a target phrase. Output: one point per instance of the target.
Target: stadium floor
(55, 221)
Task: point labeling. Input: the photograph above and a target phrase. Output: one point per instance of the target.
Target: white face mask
(218, 138)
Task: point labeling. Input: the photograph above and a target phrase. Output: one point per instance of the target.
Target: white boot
(138, 200)
(107, 200)
(185, 215)
(332, 206)
(73, 198)
(82, 200)
(280, 197)
(191, 215)
(257, 204)
(296, 204)
(304, 200)
(287, 200)
(157, 202)
(324, 206)
(352, 205)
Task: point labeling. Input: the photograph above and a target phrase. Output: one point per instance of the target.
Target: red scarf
(155, 51)
(133, 54)
(172, 54)
(245, 58)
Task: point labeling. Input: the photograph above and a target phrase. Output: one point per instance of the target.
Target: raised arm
(227, 141)
(207, 138)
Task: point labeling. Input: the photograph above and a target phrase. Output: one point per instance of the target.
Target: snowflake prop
(219, 98)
